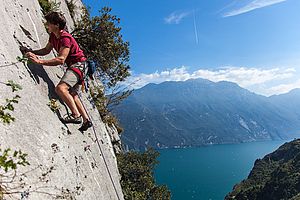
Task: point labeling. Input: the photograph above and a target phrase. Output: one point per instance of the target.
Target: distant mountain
(199, 112)
(274, 177)
(288, 102)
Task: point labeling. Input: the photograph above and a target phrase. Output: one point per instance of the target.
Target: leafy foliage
(101, 40)
(48, 6)
(53, 105)
(14, 86)
(22, 59)
(101, 102)
(6, 117)
(274, 177)
(137, 179)
(9, 160)
(71, 6)
(105, 104)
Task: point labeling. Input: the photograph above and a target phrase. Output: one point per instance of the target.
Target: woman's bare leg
(79, 106)
(62, 89)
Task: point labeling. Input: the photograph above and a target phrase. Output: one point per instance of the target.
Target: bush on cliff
(101, 40)
(275, 177)
(137, 178)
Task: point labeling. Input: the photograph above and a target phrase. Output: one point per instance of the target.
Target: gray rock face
(64, 163)
(77, 9)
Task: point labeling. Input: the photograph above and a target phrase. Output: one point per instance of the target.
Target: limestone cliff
(64, 163)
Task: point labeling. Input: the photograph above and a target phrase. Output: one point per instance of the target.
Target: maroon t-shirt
(67, 40)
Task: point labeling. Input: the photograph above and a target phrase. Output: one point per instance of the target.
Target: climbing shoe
(72, 120)
(85, 126)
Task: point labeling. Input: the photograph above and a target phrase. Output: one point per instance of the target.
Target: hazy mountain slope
(197, 112)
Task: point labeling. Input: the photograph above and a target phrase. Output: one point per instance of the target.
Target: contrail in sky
(253, 5)
(227, 6)
(195, 28)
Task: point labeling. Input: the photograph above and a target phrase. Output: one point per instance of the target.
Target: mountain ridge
(187, 113)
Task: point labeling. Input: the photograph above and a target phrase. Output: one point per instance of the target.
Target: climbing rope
(97, 140)
(21, 60)
(9, 64)
(99, 147)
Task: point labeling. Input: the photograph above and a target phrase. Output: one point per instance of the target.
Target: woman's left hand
(33, 58)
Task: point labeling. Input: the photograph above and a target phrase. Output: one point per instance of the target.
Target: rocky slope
(274, 177)
(64, 163)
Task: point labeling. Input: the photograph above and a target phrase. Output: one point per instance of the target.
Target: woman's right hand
(30, 55)
(24, 50)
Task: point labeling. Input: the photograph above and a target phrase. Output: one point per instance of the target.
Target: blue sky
(255, 43)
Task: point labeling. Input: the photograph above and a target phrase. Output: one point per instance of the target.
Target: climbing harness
(98, 144)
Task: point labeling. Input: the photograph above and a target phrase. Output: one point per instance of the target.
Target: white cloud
(255, 79)
(177, 74)
(246, 76)
(175, 17)
(255, 4)
(284, 88)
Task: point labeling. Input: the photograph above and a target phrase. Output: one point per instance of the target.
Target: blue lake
(208, 173)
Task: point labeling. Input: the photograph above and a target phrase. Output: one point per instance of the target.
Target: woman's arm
(44, 51)
(59, 60)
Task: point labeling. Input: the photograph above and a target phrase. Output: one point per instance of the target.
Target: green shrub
(48, 6)
(137, 178)
(104, 104)
(100, 38)
(5, 116)
(9, 160)
(14, 86)
(71, 6)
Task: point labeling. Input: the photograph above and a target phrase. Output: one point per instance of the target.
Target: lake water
(208, 173)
